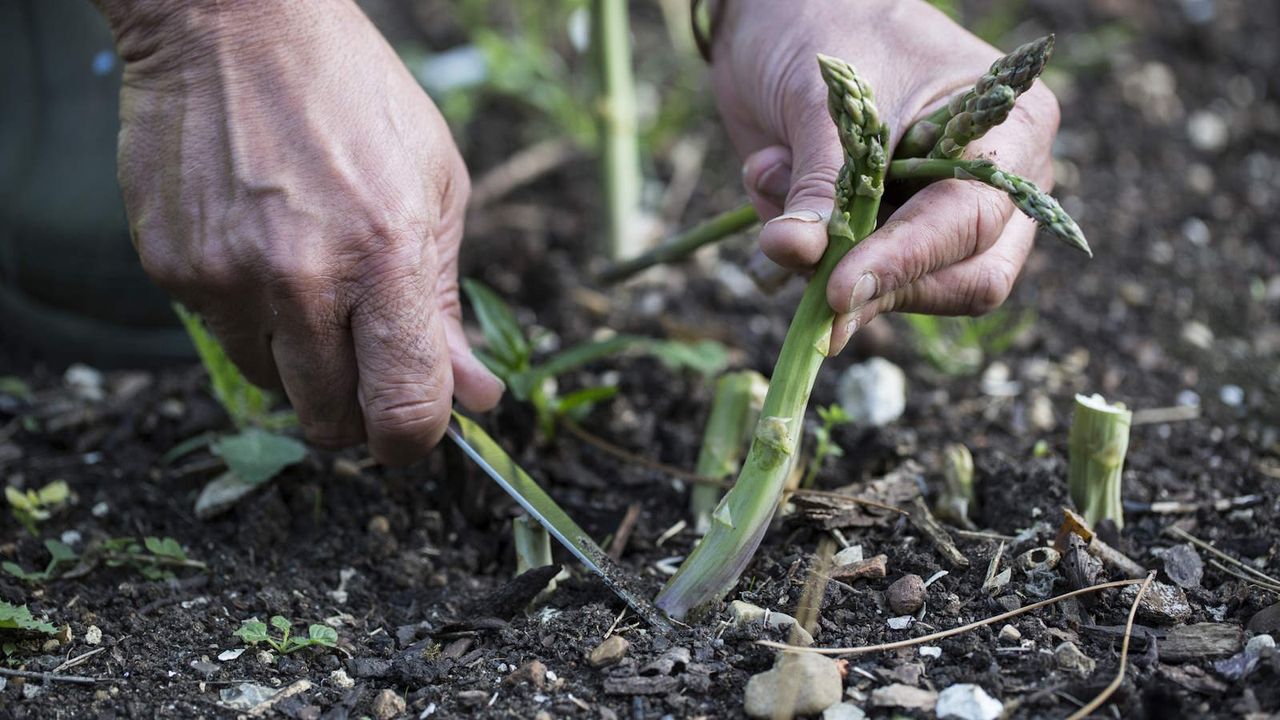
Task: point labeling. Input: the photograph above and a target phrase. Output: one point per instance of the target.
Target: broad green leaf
(18, 617)
(165, 547)
(17, 571)
(255, 456)
(60, 552)
(55, 493)
(323, 635)
(18, 499)
(706, 357)
(252, 631)
(506, 341)
(281, 623)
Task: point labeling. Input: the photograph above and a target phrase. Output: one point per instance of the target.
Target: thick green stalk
(978, 115)
(1098, 441)
(734, 411)
(1018, 70)
(715, 564)
(684, 244)
(1037, 204)
(619, 144)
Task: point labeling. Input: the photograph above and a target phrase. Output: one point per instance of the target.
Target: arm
(286, 177)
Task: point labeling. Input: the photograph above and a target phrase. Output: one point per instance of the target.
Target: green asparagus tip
(972, 116)
(1020, 68)
(1043, 208)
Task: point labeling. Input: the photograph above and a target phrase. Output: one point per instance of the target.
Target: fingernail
(863, 291)
(850, 327)
(805, 215)
(774, 182)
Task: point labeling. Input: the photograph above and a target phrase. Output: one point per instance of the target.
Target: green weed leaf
(322, 635)
(252, 632)
(508, 348)
(18, 617)
(256, 456)
(244, 402)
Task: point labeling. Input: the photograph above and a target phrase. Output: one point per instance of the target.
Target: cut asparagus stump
(738, 525)
(734, 411)
(1098, 441)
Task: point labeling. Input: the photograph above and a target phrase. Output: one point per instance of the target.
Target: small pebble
(613, 649)
(387, 704)
(930, 651)
(1231, 395)
(341, 679)
(1207, 130)
(1069, 658)
(906, 595)
(966, 701)
(1010, 634)
(93, 635)
(874, 392)
(1196, 231)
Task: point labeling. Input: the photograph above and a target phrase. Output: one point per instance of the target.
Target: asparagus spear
(1037, 204)
(713, 568)
(734, 411)
(1017, 70)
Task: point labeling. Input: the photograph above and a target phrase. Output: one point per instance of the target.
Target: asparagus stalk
(1017, 70)
(619, 144)
(1098, 441)
(976, 115)
(958, 499)
(715, 564)
(684, 244)
(533, 545)
(734, 410)
(1037, 204)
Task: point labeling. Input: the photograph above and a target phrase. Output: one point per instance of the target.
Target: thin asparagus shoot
(958, 499)
(716, 562)
(734, 411)
(684, 244)
(1031, 200)
(619, 143)
(533, 545)
(1097, 444)
(1017, 70)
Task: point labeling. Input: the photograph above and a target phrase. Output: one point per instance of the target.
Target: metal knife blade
(477, 445)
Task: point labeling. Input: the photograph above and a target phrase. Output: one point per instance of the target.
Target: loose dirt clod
(1069, 659)
(533, 672)
(905, 697)
(1163, 604)
(906, 595)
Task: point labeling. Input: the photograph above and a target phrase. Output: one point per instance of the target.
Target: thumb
(475, 387)
(797, 238)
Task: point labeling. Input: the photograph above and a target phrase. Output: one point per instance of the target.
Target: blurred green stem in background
(621, 179)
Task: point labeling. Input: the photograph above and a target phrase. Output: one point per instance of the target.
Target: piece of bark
(924, 521)
(870, 569)
(1114, 560)
(1201, 641)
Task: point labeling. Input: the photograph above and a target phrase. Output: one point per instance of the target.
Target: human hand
(286, 178)
(953, 248)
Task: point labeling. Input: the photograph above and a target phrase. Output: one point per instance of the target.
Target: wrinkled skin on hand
(955, 247)
(287, 178)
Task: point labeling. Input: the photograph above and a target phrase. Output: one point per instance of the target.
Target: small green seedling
(18, 628)
(832, 416)
(258, 451)
(509, 355)
(31, 507)
(59, 555)
(154, 558)
(254, 631)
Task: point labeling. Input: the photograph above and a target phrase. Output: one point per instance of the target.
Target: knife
(477, 445)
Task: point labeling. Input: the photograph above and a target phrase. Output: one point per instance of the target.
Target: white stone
(843, 711)
(93, 635)
(1196, 231)
(930, 651)
(848, 556)
(873, 392)
(341, 679)
(798, 684)
(84, 382)
(967, 701)
(1208, 131)
(229, 655)
(901, 623)
(1231, 395)
(744, 613)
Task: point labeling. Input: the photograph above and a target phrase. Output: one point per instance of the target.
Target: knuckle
(990, 215)
(991, 288)
(408, 414)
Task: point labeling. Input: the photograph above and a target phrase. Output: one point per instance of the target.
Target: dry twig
(1097, 702)
(948, 633)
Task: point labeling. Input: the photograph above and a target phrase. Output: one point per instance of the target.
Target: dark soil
(1186, 240)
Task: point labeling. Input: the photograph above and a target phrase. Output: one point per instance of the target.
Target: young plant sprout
(734, 409)
(1097, 444)
(508, 353)
(713, 567)
(254, 631)
(832, 416)
(31, 507)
